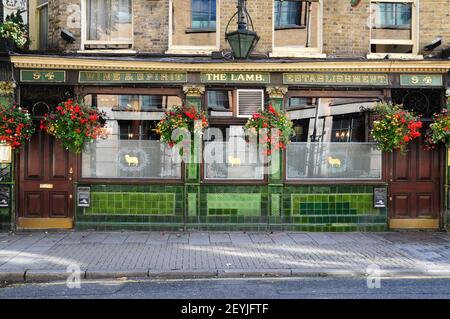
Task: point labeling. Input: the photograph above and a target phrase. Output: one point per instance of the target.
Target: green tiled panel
(126, 203)
(235, 204)
(332, 204)
(233, 208)
(192, 204)
(4, 212)
(275, 205)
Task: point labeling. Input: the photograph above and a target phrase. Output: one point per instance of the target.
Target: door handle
(71, 170)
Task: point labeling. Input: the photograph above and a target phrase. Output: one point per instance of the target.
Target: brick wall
(345, 28)
(434, 22)
(150, 24)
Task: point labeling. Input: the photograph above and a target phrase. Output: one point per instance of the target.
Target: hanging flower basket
(16, 125)
(439, 131)
(184, 118)
(12, 35)
(262, 123)
(75, 125)
(394, 127)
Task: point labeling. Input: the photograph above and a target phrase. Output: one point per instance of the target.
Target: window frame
(414, 42)
(295, 51)
(301, 92)
(39, 7)
(84, 29)
(203, 29)
(194, 49)
(350, 129)
(298, 18)
(129, 180)
(224, 181)
(232, 102)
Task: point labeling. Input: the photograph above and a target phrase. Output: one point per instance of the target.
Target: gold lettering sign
(42, 76)
(421, 80)
(235, 77)
(130, 77)
(335, 79)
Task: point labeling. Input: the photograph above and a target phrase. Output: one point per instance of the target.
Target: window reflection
(132, 149)
(331, 140)
(228, 156)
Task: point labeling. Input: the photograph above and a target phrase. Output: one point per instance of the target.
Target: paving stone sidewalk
(46, 256)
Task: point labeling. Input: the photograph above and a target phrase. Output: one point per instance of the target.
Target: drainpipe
(308, 27)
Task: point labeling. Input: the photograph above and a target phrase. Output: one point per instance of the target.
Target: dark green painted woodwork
(6, 179)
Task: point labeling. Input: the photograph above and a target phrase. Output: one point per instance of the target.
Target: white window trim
(85, 42)
(414, 31)
(296, 51)
(193, 49)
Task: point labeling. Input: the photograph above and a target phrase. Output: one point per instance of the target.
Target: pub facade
(331, 177)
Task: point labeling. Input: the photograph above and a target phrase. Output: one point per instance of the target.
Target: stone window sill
(399, 56)
(296, 53)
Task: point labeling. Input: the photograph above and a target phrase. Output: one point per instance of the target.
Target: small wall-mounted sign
(421, 80)
(42, 76)
(235, 77)
(5, 196)
(379, 197)
(84, 196)
(5, 154)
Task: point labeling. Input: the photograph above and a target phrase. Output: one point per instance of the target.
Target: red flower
(406, 138)
(271, 109)
(190, 115)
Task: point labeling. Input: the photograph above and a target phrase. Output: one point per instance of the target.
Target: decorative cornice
(397, 66)
(193, 90)
(276, 92)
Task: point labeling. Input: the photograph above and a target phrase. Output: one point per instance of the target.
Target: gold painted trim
(414, 223)
(45, 223)
(45, 62)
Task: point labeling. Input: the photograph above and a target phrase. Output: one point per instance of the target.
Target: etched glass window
(332, 141)
(132, 148)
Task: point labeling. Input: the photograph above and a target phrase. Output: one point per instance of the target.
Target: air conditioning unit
(249, 102)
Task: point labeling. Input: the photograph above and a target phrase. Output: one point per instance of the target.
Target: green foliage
(394, 127)
(265, 123)
(16, 125)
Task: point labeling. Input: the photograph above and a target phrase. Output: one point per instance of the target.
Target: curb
(12, 276)
(182, 274)
(41, 275)
(254, 273)
(115, 274)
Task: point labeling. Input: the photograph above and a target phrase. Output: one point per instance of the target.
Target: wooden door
(414, 188)
(46, 171)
